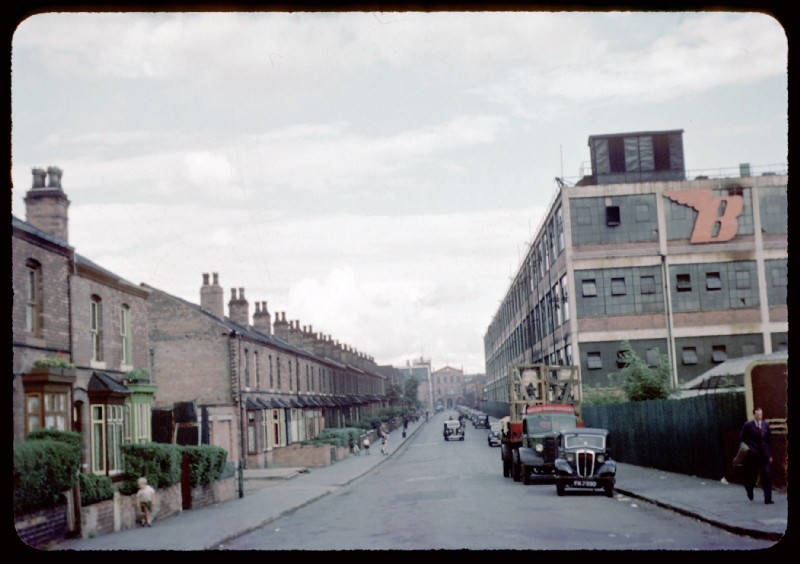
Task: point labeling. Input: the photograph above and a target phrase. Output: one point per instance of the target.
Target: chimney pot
(233, 293)
(39, 175)
(241, 293)
(54, 177)
(216, 278)
(205, 279)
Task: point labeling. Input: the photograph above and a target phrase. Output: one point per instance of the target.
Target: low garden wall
(46, 526)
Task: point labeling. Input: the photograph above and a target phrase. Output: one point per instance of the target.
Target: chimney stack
(262, 320)
(212, 298)
(238, 308)
(281, 327)
(46, 206)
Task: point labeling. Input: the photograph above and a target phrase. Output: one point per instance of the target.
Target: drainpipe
(668, 306)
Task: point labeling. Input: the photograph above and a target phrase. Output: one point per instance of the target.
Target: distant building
(694, 269)
(449, 387)
(420, 370)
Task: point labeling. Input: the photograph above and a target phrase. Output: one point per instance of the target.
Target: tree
(410, 390)
(641, 382)
(394, 393)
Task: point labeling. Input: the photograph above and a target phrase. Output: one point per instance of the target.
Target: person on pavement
(145, 498)
(756, 435)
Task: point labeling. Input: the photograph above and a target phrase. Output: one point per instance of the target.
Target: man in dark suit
(756, 435)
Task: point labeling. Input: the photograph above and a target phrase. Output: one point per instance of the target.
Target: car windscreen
(541, 422)
(590, 441)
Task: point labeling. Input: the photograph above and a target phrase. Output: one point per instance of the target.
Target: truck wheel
(526, 475)
(506, 470)
(560, 489)
(609, 490)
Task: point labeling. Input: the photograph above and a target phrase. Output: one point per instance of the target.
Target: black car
(584, 461)
(481, 421)
(493, 436)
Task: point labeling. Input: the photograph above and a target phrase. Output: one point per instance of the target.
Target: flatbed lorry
(543, 400)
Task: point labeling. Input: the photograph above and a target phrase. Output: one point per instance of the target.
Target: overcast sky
(374, 175)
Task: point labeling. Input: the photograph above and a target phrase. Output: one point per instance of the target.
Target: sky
(374, 175)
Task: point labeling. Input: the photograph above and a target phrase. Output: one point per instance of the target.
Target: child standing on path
(145, 497)
(366, 444)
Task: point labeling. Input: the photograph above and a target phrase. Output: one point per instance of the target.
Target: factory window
(652, 357)
(648, 284)
(618, 287)
(684, 282)
(589, 288)
(594, 361)
(742, 279)
(713, 281)
(689, 355)
(612, 216)
(719, 354)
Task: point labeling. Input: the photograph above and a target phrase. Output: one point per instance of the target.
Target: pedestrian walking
(144, 499)
(385, 444)
(366, 444)
(758, 461)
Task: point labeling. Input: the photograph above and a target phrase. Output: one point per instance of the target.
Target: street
(451, 495)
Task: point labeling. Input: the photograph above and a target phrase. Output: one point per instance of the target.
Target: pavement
(274, 492)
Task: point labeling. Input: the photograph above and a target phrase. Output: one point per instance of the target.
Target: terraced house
(131, 363)
(69, 308)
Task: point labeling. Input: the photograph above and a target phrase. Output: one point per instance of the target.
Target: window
(616, 154)
(107, 438)
(589, 288)
(779, 278)
(648, 284)
(661, 152)
(652, 357)
(742, 279)
(271, 380)
(46, 410)
(713, 281)
(594, 361)
(719, 354)
(612, 216)
(33, 295)
(684, 283)
(689, 355)
(618, 287)
(125, 334)
(748, 349)
(96, 320)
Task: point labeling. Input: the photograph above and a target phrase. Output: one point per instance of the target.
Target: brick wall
(40, 528)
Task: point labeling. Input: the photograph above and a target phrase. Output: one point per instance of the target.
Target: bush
(44, 468)
(341, 437)
(70, 437)
(159, 463)
(95, 489)
(206, 463)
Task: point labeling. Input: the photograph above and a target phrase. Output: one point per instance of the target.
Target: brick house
(66, 306)
(253, 387)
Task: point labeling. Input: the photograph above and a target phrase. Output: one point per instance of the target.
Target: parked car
(453, 430)
(583, 461)
(493, 436)
(481, 421)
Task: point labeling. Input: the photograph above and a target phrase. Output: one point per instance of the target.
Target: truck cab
(541, 426)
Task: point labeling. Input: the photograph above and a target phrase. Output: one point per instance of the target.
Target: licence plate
(584, 483)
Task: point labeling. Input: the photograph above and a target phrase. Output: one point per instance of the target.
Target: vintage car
(583, 461)
(493, 436)
(481, 421)
(453, 430)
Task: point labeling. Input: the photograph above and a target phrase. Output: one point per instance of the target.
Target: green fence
(696, 436)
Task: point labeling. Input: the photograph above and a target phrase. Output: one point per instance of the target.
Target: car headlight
(570, 457)
(600, 458)
(539, 447)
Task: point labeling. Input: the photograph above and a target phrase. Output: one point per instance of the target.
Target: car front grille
(549, 450)
(584, 463)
